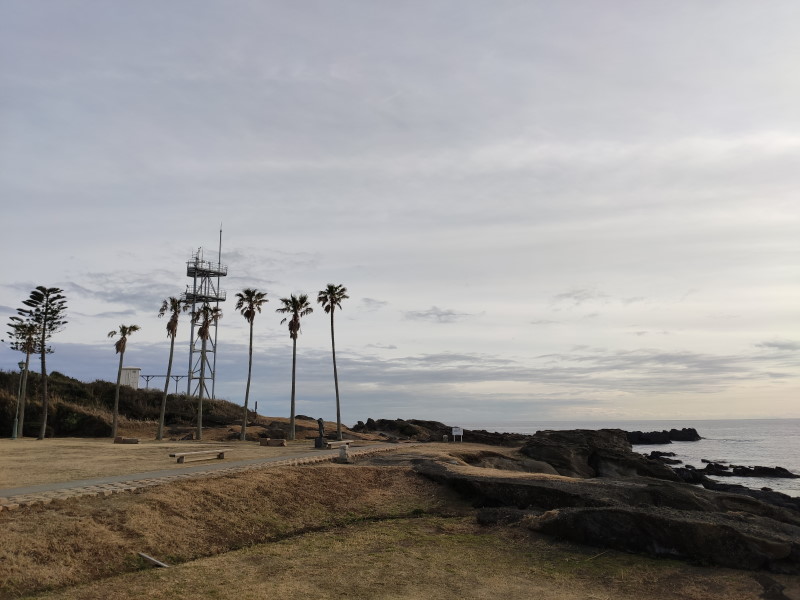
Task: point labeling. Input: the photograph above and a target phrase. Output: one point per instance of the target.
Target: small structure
(130, 377)
(319, 441)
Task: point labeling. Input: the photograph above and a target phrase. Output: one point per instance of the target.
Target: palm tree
(206, 316)
(249, 302)
(331, 299)
(119, 346)
(173, 306)
(299, 307)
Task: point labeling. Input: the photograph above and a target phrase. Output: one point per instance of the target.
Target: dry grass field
(324, 531)
(428, 557)
(29, 461)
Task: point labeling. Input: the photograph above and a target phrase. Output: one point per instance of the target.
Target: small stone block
(271, 442)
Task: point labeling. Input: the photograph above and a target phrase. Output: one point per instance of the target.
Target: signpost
(458, 432)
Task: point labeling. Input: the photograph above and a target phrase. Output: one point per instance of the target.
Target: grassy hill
(80, 409)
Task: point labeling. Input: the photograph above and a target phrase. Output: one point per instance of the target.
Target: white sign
(458, 431)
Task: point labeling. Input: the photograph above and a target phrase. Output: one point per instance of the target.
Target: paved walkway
(13, 498)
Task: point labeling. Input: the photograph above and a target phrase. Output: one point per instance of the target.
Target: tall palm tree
(299, 307)
(119, 346)
(249, 302)
(206, 316)
(331, 299)
(173, 306)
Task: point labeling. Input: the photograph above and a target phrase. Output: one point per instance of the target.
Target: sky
(540, 210)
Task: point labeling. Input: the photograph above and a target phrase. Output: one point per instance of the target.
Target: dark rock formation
(687, 434)
(717, 469)
(728, 540)
(607, 495)
(740, 471)
(721, 470)
(661, 518)
(589, 453)
(689, 474)
(664, 457)
(764, 494)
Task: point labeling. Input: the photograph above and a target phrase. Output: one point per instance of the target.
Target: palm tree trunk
(336, 384)
(200, 391)
(247, 389)
(116, 398)
(21, 425)
(43, 430)
(294, 364)
(160, 434)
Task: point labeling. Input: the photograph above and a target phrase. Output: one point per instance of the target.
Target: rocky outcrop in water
(722, 470)
(687, 434)
(767, 472)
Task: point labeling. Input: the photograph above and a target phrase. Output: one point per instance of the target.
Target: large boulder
(589, 453)
(724, 539)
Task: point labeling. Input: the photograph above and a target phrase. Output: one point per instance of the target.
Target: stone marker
(344, 455)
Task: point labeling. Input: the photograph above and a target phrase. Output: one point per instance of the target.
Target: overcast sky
(541, 210)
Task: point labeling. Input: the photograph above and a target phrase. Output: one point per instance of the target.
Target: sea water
(764, 442)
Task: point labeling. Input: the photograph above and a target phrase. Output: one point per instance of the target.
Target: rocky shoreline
(589, 486)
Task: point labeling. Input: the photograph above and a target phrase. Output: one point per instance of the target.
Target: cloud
(780, 345)
(382, 346)
(142, 291)
(436, 315)
(371, 304)
(109, 314)
(578, 296)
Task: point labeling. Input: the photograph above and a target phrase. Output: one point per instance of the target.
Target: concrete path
(13, 498)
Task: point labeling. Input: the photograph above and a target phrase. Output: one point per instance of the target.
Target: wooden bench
(198, 454)
(337, 444)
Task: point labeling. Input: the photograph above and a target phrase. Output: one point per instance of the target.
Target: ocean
(765, 442)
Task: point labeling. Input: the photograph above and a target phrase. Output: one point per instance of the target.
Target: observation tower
(203, 291)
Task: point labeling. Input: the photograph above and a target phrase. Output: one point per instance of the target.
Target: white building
(130, 377)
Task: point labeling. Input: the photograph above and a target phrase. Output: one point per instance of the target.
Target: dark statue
(319, 442)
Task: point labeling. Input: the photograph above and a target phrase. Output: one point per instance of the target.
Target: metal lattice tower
(204, 289)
